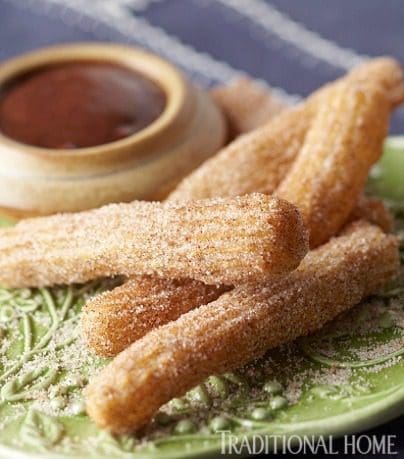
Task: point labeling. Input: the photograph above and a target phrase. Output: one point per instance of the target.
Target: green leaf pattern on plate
(40, 431)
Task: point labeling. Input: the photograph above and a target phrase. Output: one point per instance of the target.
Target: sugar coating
(215, 241)
(345, 140)
(239, 326)
(110, 322)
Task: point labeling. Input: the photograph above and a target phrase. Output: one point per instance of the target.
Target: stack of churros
(240, 326)
(221, 271)
(254, 162)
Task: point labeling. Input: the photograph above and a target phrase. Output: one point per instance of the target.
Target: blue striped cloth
(293, 45)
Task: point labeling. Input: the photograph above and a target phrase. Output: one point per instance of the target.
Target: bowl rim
(153, 67)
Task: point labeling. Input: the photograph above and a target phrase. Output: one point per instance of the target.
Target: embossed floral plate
(347, 378)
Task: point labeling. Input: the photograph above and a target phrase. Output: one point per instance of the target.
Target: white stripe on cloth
(275, 22)
(119, 17)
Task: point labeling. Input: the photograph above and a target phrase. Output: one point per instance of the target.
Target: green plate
(387, 177)
(347, 378)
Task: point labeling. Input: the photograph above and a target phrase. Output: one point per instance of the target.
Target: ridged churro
(258, 161)
(254, 161)
(330, 172)
(215, 241)
(238, 327)
(113, 320)
(247, 104)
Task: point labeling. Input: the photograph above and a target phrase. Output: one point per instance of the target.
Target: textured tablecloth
(294, 45)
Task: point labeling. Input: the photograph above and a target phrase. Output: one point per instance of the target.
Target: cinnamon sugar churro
(113, 320)
(246, 104)
(258, 161)
(330, 172)
(239, 326)
(385, 72)
(267, 238)
(254, 161)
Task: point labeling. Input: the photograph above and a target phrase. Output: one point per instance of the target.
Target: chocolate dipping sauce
(78, 104)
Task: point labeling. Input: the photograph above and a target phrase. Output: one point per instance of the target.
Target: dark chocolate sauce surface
(78, 104)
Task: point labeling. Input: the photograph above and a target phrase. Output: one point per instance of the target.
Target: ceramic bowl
(145, 165)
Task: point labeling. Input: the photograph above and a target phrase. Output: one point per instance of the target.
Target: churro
(258, 161)
(240, 326)
(113, 320)
(330, 172)
(254, 161)
(247, 104)
(215, 241)
(385, 72)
